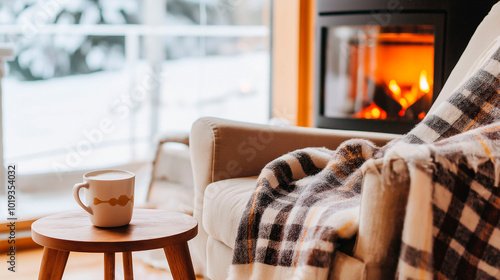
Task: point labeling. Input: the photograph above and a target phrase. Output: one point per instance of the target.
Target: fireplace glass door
(379, 72)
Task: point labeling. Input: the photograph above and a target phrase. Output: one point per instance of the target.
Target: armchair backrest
(380, 221)
(486, 36)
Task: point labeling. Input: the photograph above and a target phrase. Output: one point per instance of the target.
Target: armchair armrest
(383, 204)
(182, 138)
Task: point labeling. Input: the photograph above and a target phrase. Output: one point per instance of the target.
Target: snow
(58, 122)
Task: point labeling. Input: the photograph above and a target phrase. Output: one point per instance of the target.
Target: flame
(424, 84)
(394, 87)
(406, 95)
(396, 94)
(376, 113)
(402, 68)
(403, 103)
(372, 112)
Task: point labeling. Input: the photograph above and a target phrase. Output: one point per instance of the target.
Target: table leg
(109, 266)
(128, 270)
(62, 259)
(179, 261)
(53, 264)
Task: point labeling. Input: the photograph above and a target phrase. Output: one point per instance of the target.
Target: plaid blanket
(306, 202)
(452, 221)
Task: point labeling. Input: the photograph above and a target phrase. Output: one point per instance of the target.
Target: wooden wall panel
(285, 61)
(293, 58)
(306, 63)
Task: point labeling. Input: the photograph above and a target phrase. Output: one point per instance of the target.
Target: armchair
(227, 156)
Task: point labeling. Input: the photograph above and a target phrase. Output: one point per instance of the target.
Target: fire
(376, 113)
(396, 94)
(423, 83)
(407, 95)
(394, 87)
(398, 66)
(372, 112)
(403, 103)
(392, 76)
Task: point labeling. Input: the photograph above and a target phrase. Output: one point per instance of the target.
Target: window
(94, 82)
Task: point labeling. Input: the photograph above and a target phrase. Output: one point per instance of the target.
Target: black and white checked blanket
(307, 201)
(452, 222)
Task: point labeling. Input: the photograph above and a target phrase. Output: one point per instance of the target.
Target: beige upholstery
(224, 204)
(219, 258)
(482, 40)
(382, 207)
(222, 150)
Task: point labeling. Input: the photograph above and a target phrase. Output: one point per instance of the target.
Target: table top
(149, 229)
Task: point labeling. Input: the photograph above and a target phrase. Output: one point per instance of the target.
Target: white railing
(141, 30)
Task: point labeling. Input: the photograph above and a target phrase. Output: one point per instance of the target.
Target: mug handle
(76, 194)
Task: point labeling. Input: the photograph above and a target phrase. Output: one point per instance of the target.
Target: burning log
(383, 100)
(418, 109)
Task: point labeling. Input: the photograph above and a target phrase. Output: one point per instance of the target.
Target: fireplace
(381, 64)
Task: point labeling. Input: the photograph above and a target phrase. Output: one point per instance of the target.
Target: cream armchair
(227, 156)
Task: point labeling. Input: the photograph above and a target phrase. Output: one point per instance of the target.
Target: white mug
(110, 197)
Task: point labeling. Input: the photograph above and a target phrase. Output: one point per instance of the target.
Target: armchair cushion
(224, 204)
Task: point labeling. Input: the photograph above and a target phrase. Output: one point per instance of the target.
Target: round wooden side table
(149, 229)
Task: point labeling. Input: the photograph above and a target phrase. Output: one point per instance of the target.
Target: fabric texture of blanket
(306, 202)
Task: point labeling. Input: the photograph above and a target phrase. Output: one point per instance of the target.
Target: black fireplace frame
(454, 21)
